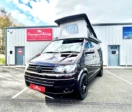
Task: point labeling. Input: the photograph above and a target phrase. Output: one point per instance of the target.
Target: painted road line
(119, 77)
(19, 93)
(5, 77)
(25, 90)
(48, 96)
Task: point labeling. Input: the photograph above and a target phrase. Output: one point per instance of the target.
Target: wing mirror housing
(89, 51)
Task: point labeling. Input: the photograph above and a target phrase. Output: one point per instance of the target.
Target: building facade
(116, 43)
(23, 43)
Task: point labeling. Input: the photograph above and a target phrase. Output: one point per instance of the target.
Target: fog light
(67, 90)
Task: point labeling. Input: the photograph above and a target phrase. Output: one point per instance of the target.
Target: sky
(44, 12)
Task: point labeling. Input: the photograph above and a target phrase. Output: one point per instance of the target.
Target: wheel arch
(84, 70)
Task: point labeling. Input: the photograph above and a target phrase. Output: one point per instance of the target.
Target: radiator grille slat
(38, 80)
(44, 69)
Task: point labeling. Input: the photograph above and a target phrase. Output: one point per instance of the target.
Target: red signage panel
(42, 34)
(19, 51)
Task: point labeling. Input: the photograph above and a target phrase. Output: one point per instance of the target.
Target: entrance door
(19, 55)
(113, 55)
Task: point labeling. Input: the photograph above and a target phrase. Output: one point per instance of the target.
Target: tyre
(27, 84)
(82, 87)
(100, 74)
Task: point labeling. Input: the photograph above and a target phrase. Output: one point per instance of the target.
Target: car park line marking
(19, 93)
(48, 96)
(119, 77)
(25, 90)
(5, 77)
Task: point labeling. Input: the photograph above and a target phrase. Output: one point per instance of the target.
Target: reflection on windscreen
(66, 45)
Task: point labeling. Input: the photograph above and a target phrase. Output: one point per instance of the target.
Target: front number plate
(37, 88)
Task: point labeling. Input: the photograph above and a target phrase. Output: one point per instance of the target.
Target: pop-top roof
(75, 18)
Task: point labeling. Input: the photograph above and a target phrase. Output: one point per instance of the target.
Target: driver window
(88, 45)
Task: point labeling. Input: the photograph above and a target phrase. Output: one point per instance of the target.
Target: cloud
(22, 18)
(128, 20)
(41, 9)
(8, 1)
(46, 11)
(21, 5)
(98, 11)
(25, 1)
(16, 14)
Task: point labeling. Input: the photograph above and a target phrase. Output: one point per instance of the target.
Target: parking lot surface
(110, 93)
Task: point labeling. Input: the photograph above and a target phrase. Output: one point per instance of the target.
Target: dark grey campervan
(69, 62)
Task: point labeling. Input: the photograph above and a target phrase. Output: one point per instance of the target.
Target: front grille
(35, 79)
(44, 69)
(49, 81)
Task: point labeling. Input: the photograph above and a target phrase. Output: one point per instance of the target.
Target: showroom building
(23, 43)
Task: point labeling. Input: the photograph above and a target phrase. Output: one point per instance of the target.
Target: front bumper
(54, 83)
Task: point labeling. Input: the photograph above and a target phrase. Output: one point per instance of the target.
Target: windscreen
(66, 45)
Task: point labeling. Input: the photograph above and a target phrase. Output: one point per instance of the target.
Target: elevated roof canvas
(75, 18)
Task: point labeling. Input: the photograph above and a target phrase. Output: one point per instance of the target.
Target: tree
(6, 20)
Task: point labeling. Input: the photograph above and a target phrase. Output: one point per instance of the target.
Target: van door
(89, 58)
(97, 56)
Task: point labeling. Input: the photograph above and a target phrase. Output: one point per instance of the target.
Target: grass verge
(2, 59)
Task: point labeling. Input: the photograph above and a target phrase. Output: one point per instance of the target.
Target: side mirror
(89, 51)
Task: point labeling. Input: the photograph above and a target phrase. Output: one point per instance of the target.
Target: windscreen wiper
(69, 52)
(50, 52)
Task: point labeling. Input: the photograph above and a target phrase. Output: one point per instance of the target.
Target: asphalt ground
(110, 93)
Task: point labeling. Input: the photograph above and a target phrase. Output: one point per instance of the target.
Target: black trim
(75, 18)
(96, 40)
(94, 24)
(110, 24)
(5, 30)
(51, 26)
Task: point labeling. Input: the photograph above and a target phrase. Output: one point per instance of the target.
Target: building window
(127, 32)
(113, 52)
(113, 47)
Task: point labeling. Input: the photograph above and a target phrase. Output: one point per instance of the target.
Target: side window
(98, 50)
(91, 45)
(88, 45)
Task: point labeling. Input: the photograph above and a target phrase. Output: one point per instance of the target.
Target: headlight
(27, 65)
(65, 69)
